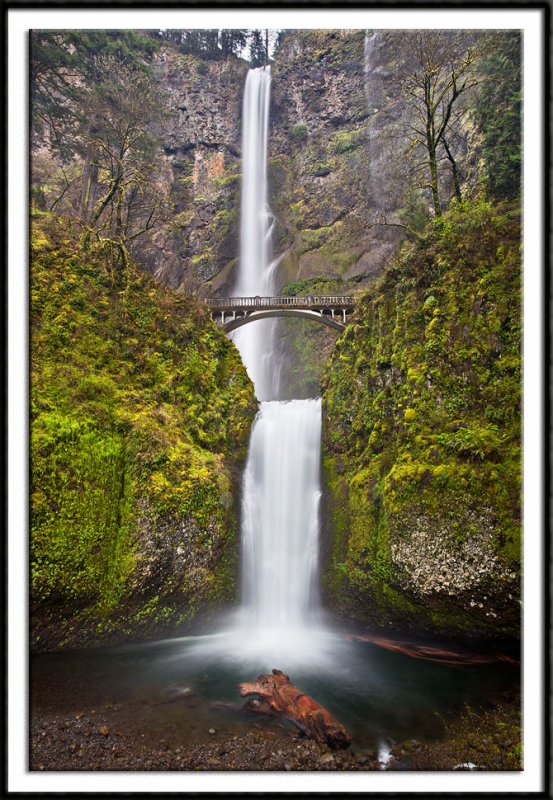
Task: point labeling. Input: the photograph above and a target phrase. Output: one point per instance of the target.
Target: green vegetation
(489, 738)
(345, 141)
(422, 433)
(298, 133)
(499, 113)
(213, 43)
(141, 410)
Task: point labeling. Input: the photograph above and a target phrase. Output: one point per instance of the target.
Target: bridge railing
(309, 301)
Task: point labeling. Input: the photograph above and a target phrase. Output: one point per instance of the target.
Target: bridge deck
(311, 301)
(233, 312)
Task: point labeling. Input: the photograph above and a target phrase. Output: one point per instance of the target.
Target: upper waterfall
(254, 275)
(256, 268)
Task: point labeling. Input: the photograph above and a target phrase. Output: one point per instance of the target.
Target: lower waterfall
(280, 518)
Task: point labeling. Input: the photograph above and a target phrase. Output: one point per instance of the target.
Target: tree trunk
(434, 182)
(277, 697)
(454, 170)
(85, 186)
(431, 143)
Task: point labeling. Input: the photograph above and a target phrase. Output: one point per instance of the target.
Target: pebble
(139, 747)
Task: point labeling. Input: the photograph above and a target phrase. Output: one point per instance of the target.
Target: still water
(165, 690)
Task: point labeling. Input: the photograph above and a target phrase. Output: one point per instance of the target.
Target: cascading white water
(367, 53)
(281, 488)
(279, 622)
(256, 268)
(280, 521)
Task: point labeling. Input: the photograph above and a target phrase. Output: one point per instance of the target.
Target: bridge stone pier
(233, 312)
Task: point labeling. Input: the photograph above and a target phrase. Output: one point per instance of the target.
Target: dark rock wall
(197, 246)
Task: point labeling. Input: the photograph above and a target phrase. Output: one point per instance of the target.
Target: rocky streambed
(109, 737)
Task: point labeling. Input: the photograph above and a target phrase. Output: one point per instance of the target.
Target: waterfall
(279, 620)
(256, 267)
(280, 516)
(367, 52)
(281, 485)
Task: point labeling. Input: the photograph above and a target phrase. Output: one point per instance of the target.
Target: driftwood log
(430, 653)
(277, 697)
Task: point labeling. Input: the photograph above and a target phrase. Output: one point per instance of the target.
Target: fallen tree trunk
(277, 697)
(430, 653)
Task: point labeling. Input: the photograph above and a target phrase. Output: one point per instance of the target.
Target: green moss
(346, 141)
(422, 411)
(141, 409)
(231, 180)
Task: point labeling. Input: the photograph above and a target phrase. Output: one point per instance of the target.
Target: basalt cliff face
(324, 153)
(197, 246)
(339, 129)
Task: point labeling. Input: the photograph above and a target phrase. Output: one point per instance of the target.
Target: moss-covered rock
(141, 410)
(421, 407)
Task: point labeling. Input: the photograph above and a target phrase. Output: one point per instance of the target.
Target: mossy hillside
(141, 411)
(422, 434)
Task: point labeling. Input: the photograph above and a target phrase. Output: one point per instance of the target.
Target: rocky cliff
(338, 153)
(326, 160)
(325, 153)
(197, 246)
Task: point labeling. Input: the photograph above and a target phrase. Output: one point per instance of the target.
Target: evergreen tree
(233, 41)
(258, 50)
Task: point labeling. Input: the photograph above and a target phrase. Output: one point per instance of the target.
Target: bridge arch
(270, 313)
(234, 312)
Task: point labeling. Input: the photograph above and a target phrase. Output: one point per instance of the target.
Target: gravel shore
(96, 741)
(103, 739)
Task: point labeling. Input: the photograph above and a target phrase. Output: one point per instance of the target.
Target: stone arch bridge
(233, 312)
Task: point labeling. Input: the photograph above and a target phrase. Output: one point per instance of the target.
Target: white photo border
(20, 779)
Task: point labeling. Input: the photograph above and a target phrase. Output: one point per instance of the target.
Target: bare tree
(120, 200)
(439, 73)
